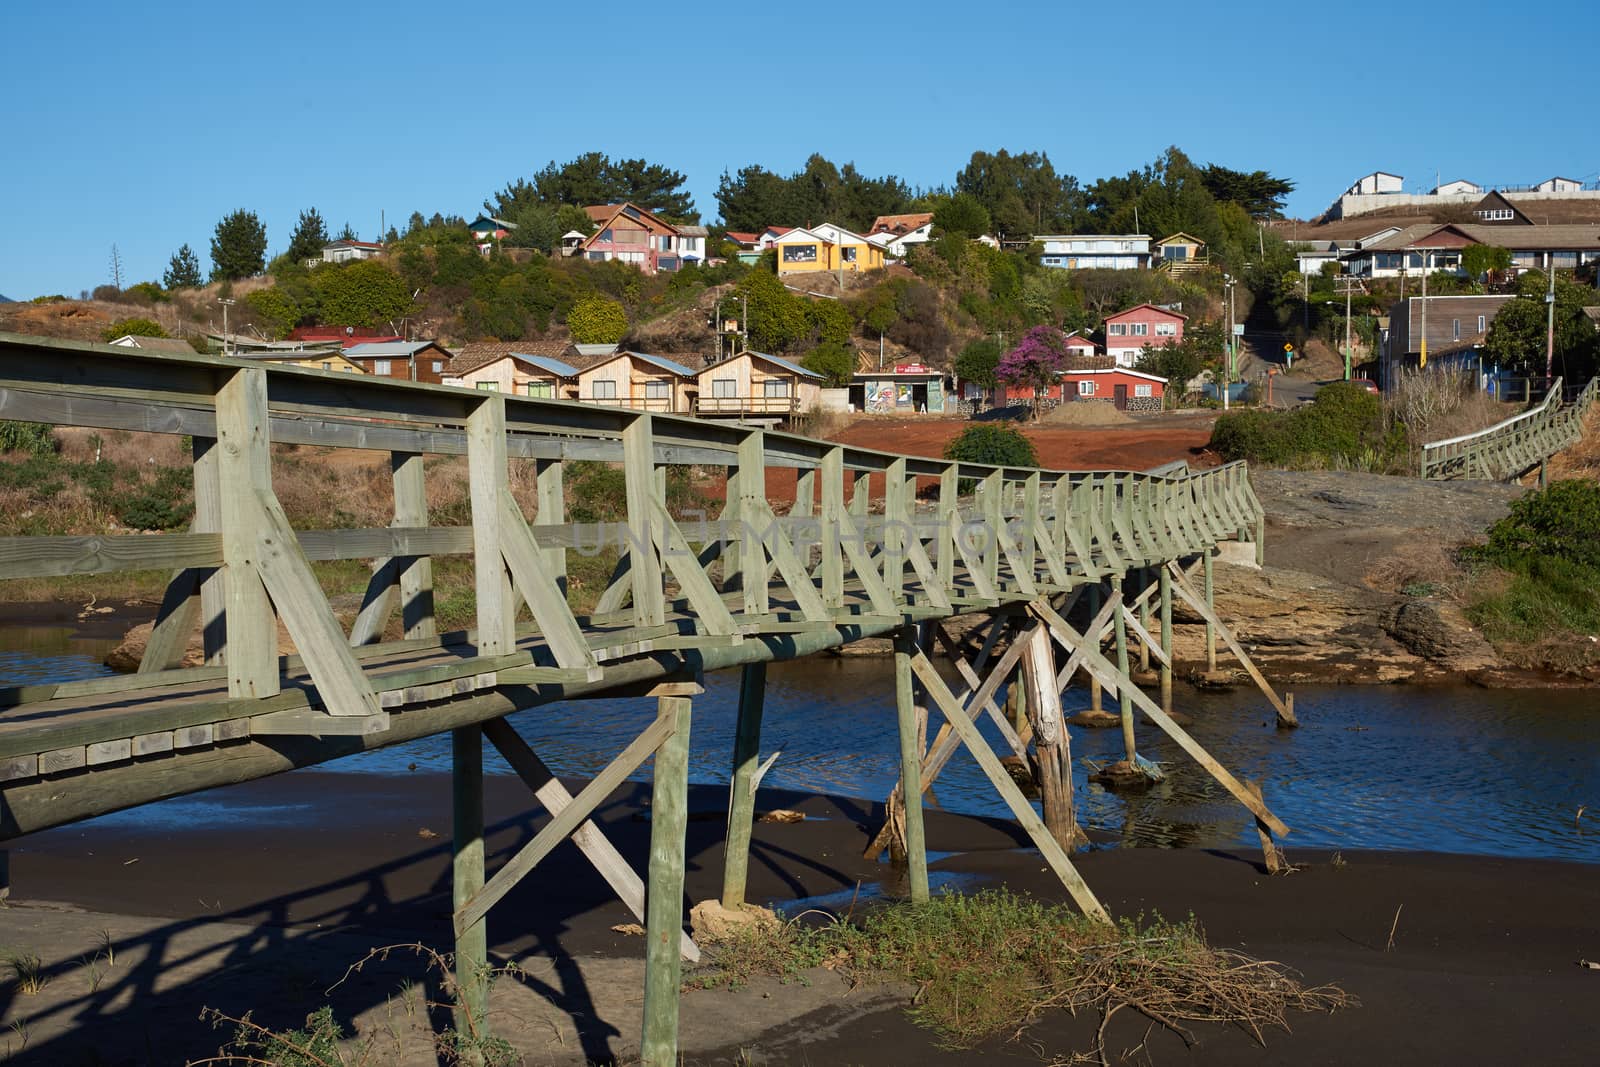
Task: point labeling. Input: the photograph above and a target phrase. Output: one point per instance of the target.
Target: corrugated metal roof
(784, 363)
(664, 363)
(547, 363)
(389, 349)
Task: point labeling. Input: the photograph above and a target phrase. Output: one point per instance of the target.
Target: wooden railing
(746, 405)
(1513, 446)
(874, 539)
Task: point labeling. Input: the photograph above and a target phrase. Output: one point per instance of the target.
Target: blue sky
(143, 124)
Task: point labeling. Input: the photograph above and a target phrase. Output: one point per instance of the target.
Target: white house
(1107, 251)
(1460, 185)
(1377, 182)
(895, 234)
(1558, 185)
(346, 251)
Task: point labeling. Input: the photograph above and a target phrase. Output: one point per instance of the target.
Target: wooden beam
(561, 826)
(905, 647)
(669, 820)
(742, 786)
(967, 731)
(407, 474)
(617, 872)
(487, 476)
(244, 471)
(541, 591)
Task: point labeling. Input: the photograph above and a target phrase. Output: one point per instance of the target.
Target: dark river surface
(1442, 769)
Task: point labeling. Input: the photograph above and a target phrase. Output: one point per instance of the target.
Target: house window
(598, 257)
(544, 390)
(657, 389)
(1144, 390)
(1482, 324)
(1456, 328)
(1085, 387)
(775, 387)
(438, 366)
(327, 364)
(724, 388)
(1117, 329)
(1140, 329)
(381, 366)
(1166, 329)
(604, 389)
(489, 387)
(607, 235)
(799, 253)
(848, 254)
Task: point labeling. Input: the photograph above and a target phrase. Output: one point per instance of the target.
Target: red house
(1128, 332)
(1127, 390)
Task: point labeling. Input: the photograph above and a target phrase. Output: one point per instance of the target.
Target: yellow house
(310, 359)
(826, 247)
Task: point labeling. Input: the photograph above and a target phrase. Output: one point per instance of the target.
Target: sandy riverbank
(262, 905)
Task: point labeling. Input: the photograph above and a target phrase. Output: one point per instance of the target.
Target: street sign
(1288, 348)
(1238, 329)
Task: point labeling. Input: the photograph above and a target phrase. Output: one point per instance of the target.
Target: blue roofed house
(523, 368)
(754, 383)
(641, 381)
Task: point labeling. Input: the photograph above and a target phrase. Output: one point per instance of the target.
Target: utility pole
(1227, 342)
(226, 303)
(1348, 285)
(1423, 362)
(1550, 327)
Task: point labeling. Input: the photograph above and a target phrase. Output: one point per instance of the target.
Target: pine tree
(310, 234)
(239, 247)
(183, 272)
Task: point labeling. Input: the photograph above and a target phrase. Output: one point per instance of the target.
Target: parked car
(1369, 385)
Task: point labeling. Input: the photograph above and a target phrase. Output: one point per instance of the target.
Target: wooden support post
(1124, 709)
(487, 475)
(967, 730)
(245, 469)
(1261, 540)
(1211, 629)
(208, 518)
(551, 500)
(1284, 708)
(1095, 698)
(748, 502)
(1051, 744)
(905, 647)
(472, 945)
(1166, 641)
(833, 512)
(1144, 620)
(742, 792)
(416, 572)
(638, 468)
(669, 813)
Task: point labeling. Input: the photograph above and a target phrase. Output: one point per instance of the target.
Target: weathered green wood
(341, 686)
(967, 731)
(638, 465)
(207, 456)
(174, 624)
(747, 496)
(472, 939)
(599, 850)
(561, 826)
(1211, 628)
(696, 584)
(40, 557)
(833, 518)
(1096, 665)
(669, 820)
(1124, 712)
(540, 590)
(1166, 640)
(1205, 610)
(244, 471)
(377, 604)
(487, 475)
(407, 474)
(551, 501)
(905, 647)
(742, 789)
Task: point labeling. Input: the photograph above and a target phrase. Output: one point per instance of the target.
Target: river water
(1442, 769)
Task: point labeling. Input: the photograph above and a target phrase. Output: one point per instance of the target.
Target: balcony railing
(636, 403)
(745, 405)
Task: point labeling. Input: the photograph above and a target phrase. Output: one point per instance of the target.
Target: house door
(919, 397)
(1120, 397)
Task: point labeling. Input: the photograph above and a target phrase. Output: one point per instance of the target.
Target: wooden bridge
(1514, 446)
(875, 544)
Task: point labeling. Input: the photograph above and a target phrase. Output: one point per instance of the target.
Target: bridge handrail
(881, 560)
(1514, 444)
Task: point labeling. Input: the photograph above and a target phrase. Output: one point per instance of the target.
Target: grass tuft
(989, 964)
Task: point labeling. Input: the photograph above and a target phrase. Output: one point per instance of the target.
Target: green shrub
(34, 438)
(1560, 522)
(994, 443)
(596, 320)
(1342, 427)
(137, 327)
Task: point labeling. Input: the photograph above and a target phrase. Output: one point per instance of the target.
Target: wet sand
(263, 905)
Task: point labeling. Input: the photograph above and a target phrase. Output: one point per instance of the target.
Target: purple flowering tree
(1036, 363)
